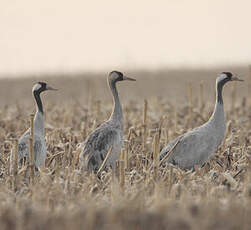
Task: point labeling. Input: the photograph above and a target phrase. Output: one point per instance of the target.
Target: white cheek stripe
(221, 77)
(36, 87)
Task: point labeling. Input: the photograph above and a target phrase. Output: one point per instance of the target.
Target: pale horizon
(72, 36)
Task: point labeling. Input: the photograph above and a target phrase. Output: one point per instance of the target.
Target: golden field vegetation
(157, 108)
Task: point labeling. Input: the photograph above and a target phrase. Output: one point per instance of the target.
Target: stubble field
(158, 107)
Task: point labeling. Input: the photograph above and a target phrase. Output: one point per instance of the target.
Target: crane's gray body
(39, 145)
(106, 136)
(197, 146)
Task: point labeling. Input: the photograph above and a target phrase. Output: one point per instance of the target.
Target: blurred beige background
(68, 36)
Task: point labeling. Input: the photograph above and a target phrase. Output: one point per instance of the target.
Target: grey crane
(39, 133)
(108, 135)
(196, 146)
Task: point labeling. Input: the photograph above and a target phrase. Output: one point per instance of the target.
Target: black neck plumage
(219, 90)
(38, 101)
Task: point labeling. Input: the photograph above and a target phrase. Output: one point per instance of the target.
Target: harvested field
(216, 196)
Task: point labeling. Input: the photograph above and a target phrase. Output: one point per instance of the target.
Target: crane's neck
(39, 105)
(219, 88)
(38, 119)
(117, 115)
(218, 116)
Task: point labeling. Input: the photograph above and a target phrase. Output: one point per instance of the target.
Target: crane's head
(115, 76)
(224, 77)
(40, 87)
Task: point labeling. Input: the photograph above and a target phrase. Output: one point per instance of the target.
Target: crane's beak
(235, 78)
(128, 78)
(50, 88)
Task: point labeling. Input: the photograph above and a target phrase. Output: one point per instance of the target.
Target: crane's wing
(23, 150)
(23, 146)
(192, 148)
(97, 146)
(169, 147)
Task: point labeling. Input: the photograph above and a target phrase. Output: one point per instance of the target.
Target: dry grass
(217, 196)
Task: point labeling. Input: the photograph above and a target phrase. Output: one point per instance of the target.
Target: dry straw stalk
(15, 165)
(156, 141)
(31, 149)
